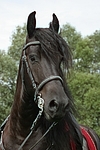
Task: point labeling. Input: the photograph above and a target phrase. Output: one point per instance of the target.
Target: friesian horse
(41, 116)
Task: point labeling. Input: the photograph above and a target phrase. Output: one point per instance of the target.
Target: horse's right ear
(31, 24)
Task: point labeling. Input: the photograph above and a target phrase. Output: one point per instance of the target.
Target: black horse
(41, 117)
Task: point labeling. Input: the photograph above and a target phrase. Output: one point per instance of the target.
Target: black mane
(52, 44)
(66, 132)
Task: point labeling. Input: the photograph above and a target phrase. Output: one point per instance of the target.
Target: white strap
(85, 147)
(1, 143)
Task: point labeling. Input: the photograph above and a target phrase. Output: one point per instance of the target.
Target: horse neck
(24, 109)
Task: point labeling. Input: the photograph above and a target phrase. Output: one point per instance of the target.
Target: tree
(95, 42)
(84, 75)
(8, 71)
(86, 51)
(71, 36)
(85, 89)
(84, 56)
(87, 54)
(18, 40)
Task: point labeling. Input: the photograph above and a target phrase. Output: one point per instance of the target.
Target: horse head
(44, 56)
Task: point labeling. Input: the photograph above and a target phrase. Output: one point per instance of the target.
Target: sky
(84, 15)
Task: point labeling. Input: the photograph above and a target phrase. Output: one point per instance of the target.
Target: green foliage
(95, 42)
(70, 35)
(86, 51)
(8, 71)
(86, 92)
(18, 40)
(84, 78)
(83, 56)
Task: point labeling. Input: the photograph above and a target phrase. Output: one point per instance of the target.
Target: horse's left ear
(31, 24)
(54, 25)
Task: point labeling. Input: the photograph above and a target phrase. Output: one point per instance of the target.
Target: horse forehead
(34, 48)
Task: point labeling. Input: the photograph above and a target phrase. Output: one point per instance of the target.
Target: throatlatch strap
(89, 140)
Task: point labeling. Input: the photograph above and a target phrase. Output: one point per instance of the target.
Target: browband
(31, 43)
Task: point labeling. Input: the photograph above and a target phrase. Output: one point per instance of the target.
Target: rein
(52, 125)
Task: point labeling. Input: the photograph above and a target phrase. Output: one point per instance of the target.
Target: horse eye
(32, 58)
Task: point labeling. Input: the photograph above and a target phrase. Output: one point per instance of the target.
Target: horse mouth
(54, 117)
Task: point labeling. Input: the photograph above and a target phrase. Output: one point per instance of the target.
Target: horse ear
(54, 25)
(31, 24)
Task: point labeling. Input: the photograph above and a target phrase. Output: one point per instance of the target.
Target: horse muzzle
(54, 96)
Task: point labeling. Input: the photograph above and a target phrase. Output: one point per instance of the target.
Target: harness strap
(90, 143)
(1, 143)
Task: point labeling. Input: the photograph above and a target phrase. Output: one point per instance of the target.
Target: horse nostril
(53, 106)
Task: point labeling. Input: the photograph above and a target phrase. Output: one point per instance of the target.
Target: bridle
(37, 96)
(45, 81)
